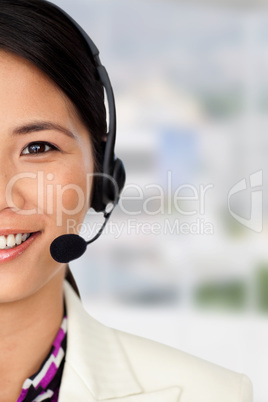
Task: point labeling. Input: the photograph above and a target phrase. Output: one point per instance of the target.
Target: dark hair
(40, 33)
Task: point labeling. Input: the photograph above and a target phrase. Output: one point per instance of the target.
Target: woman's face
(45, 178)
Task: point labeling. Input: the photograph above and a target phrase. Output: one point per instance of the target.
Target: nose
(11, 189)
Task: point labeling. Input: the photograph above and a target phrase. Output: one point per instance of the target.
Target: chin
(22, 281)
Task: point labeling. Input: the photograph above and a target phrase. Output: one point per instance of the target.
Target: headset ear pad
(107, 188)
(112, 192)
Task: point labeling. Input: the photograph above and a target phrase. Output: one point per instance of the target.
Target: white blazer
(104, 364)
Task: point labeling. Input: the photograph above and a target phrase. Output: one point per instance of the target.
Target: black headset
(108, 183)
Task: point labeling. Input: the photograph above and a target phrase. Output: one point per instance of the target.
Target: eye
(38, 148)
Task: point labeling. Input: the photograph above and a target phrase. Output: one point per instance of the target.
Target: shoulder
(155, 362)
(105, 355)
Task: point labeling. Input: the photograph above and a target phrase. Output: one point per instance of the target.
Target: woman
(53, 131)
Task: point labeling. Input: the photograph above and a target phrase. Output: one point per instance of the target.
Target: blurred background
(184, 259)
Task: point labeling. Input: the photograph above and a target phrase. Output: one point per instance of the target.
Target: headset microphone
(109, 183)
(68, 247)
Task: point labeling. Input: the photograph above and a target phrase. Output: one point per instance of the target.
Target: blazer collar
(104, 372)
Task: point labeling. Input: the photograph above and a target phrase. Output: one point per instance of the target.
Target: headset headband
(109, 184)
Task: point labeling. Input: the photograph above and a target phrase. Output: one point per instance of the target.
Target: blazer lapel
(94, 355)
(96, 367)
(76, 390)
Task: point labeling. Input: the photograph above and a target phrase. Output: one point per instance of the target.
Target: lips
(11, 252)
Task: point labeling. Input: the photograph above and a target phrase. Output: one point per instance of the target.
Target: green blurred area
(222, 104)
(237, 295)
(231, 295)
(262, 288)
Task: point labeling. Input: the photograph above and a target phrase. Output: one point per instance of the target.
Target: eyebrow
(41, 126)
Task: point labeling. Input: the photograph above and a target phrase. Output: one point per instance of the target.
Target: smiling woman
(41, 134)
(53, 139)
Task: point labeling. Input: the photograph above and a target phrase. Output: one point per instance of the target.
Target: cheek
(67, 197)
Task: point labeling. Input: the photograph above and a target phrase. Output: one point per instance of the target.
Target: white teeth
(24, 236)
(3, 242)
(12, 240)
(18, 238)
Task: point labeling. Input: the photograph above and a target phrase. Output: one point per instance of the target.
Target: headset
(107, 184)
